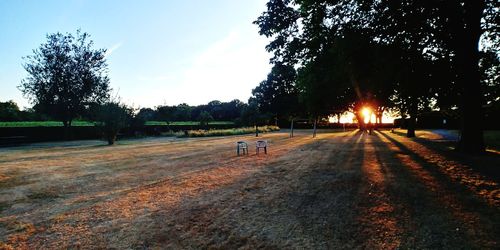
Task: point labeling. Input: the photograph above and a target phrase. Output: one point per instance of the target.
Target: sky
(159, 52)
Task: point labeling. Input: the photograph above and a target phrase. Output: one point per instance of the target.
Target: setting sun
(366, 112)
(368, 115)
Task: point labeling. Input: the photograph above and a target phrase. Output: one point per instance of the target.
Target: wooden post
(291, 129)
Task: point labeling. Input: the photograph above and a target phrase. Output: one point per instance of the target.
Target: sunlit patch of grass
(21, 232)
(5, 246)
(12, 180)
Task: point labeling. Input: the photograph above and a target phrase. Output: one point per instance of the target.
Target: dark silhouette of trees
(419, 36)
(204, 118)
(219, 111)
(9, 111)
(278, 94)
(66, 75)
(111, 117)
(165, 113)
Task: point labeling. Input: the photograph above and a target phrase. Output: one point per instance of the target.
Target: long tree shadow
(288, 204)
(330, 192)
(440, 213)
(324, 201)
(444, 167)
(485, 163)
(142, 209)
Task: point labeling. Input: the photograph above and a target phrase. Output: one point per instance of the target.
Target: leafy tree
(9, 111)
(165, 113)
(304, 30)
(278, 94)
(489, 66)
(232, 110)
(146, 114)
(251, 115)
(215, 109)
(65, 75)
(182, 112)
(204, 118)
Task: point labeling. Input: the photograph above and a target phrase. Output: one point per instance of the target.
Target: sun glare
(368, 115)
(366, 112)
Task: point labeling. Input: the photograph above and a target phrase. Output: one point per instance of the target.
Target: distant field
(187, 123)
(87, 123)
(44, 124)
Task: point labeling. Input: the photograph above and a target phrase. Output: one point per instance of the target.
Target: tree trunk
(380, 113)
(314, 128)
(111, 138)
(291, 129)
(67, 130)
(467, 53)
(256, 130)
(410, 131)
(361, 122)
(412, 121)
(338, 118)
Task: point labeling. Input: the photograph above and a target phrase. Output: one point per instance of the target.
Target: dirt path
(340, 190)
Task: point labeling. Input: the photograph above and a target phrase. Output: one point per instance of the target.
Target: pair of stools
(242, 147)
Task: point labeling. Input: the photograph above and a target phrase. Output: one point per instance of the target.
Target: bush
(111, 117)
(204, 118)
(233, 131)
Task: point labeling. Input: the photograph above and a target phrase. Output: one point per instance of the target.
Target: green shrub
(112, 117)
(204, 118)
(233, 131)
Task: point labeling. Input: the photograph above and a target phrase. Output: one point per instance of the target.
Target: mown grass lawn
(340, 190)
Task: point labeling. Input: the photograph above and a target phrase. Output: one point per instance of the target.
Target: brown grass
(339, 190)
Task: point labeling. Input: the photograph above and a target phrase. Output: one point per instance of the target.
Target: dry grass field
(340, 190)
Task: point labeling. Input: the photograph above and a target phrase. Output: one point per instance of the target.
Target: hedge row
(19, 135)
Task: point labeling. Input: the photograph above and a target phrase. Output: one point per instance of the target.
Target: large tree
(65, 76)
(9, 111)
(278, 94)
(303, 30)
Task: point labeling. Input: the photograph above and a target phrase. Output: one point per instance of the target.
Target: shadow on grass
(441, 212)
(485, 163)
(458, 169)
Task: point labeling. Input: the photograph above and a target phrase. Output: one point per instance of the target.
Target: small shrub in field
(233, 131)
(204, 118)
(112, 117)
(172, 133)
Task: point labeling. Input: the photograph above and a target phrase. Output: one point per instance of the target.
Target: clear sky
(159, 52)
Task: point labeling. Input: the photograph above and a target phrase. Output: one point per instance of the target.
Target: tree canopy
(65, 76)
(404, 55)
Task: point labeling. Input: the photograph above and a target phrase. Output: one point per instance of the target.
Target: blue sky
(159, 52)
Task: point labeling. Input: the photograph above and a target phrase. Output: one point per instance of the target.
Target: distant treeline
(214, 110)
(234, 111)
(10, 112)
